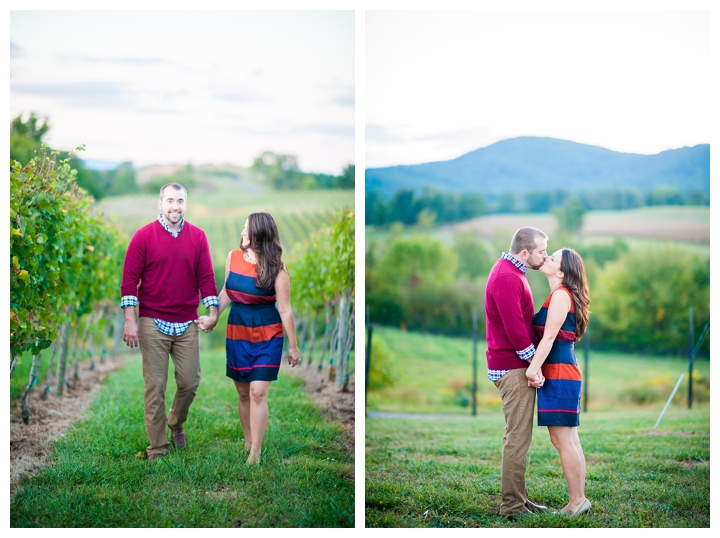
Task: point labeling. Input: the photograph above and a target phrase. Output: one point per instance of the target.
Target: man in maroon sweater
(167, 268)
(511, 343)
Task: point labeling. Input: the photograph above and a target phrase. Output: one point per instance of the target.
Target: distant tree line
(411, 208)
(26, 138)
(283, 172)
(640, 298)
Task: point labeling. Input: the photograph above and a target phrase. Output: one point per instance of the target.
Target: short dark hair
(174, 186)
(526, 239)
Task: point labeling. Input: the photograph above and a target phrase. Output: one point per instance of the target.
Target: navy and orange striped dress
(254, 339)
(559, 398)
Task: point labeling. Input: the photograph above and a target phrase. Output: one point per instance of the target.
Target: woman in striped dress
(562, 320)
(255, 279)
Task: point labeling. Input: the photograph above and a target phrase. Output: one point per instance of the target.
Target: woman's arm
(557, 312)
(207, 323)
(223, 296)
(282, 293)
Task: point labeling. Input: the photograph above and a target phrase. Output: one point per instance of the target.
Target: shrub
(640, 302)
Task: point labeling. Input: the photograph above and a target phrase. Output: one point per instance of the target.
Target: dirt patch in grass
(337, 405)
(687, 462)
(49, 419)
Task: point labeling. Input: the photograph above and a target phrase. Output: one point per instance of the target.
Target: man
(511, 342)
(167, 267)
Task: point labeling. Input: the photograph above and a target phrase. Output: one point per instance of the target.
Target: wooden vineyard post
(118, 328)
(691, 347)
(62, 359)
(343, 320)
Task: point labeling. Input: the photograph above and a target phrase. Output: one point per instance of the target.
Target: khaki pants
(156, 347)
(518, 401)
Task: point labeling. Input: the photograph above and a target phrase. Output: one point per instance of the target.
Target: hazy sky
(156, 87)
(440, 84)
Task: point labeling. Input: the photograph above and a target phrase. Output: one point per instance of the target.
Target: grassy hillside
(433, 374)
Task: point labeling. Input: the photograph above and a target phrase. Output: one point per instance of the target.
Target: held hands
(535, 379)
(294, 356)
(206, 323)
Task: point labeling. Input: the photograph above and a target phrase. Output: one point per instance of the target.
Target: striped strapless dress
(254, 339)
(559, 398)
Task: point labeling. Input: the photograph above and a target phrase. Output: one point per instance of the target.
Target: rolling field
(433, 374)
(673, 223)
(443, 471)
(220, 207)
(689, 226)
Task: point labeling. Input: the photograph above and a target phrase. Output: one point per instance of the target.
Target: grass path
(446, 473)
(95, 479)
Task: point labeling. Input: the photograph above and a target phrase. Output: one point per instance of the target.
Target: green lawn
(446, 473)
(433, 374)
(96, 478)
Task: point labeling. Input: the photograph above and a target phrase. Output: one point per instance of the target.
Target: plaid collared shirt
(167, 226)
(171, 328)
(528, 352)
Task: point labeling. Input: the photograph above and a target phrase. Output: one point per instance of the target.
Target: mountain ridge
(528, 163)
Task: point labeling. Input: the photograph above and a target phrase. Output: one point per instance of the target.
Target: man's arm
(509, 306)
(132, 273)
(130, 333)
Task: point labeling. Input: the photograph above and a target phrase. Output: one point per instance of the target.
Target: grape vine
(65, 259)
(324, 279)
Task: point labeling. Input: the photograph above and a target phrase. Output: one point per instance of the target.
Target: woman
(255, 278)
(562, 319)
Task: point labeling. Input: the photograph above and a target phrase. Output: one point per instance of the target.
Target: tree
(26, 137)
(665, 195)
(474, 260)
(641, 301)
(347, 179)
(570, 218)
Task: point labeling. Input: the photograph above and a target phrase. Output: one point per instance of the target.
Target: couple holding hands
(531, 354)
(167, 269)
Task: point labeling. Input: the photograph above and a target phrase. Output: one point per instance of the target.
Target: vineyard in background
(66, 263)
(320, 256)
(74, 314)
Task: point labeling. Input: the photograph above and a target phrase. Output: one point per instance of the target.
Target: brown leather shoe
(155, 456)
(535, 507)
(178, 437)
(517, 516)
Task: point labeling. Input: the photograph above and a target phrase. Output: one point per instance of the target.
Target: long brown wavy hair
(576, 282)
(265, 241)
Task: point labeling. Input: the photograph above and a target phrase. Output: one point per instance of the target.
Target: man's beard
(536, 267)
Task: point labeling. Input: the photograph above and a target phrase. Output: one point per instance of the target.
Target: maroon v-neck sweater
(509, 311)
(168, 274)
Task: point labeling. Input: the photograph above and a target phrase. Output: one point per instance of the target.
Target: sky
(442, 83)
(200, 87)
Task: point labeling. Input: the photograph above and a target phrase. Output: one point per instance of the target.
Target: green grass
(446, 473)
(433, 374)
(95, 479)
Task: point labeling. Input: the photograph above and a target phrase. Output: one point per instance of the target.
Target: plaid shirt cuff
(527, 353)
(211, 301)
(494, 375)
(128, 300)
